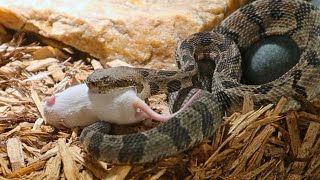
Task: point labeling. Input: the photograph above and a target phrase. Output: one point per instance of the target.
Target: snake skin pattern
(223, 45)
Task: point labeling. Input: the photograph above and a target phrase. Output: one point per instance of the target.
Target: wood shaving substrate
(251, 144)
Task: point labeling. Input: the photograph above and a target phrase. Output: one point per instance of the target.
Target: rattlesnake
(223, 45)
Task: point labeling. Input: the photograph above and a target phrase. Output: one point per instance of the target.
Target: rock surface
(136, 31)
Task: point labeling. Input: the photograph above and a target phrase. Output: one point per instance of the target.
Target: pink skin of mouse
(76, 106)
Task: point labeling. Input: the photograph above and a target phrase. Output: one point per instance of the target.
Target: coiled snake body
(293, 18)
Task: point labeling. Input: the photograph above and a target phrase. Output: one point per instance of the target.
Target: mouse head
(113, 79)
(49, 114)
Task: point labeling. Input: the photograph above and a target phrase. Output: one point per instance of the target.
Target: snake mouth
(107, 90)
(109, 83)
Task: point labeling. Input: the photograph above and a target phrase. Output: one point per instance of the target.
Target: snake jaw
(102, 90)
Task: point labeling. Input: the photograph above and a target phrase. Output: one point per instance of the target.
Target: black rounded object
(268, 59)
(315, 3)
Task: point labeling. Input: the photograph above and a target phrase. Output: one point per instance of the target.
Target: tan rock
(136, 31)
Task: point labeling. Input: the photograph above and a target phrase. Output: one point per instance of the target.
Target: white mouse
(77, 106)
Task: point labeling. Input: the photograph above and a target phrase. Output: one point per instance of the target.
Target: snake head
(116, 78)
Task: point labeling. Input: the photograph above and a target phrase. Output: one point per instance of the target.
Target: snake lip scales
(223, 45)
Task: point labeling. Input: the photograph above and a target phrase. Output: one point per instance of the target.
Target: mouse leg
(142, 115)
(146, 111)
(148, 120)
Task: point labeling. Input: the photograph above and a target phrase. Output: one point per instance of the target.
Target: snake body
(223, 45)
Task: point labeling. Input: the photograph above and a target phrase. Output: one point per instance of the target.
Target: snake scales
(223, 45)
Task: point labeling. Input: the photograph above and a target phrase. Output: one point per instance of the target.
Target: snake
(222, 48)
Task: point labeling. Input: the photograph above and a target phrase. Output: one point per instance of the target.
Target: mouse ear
(51, 100)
